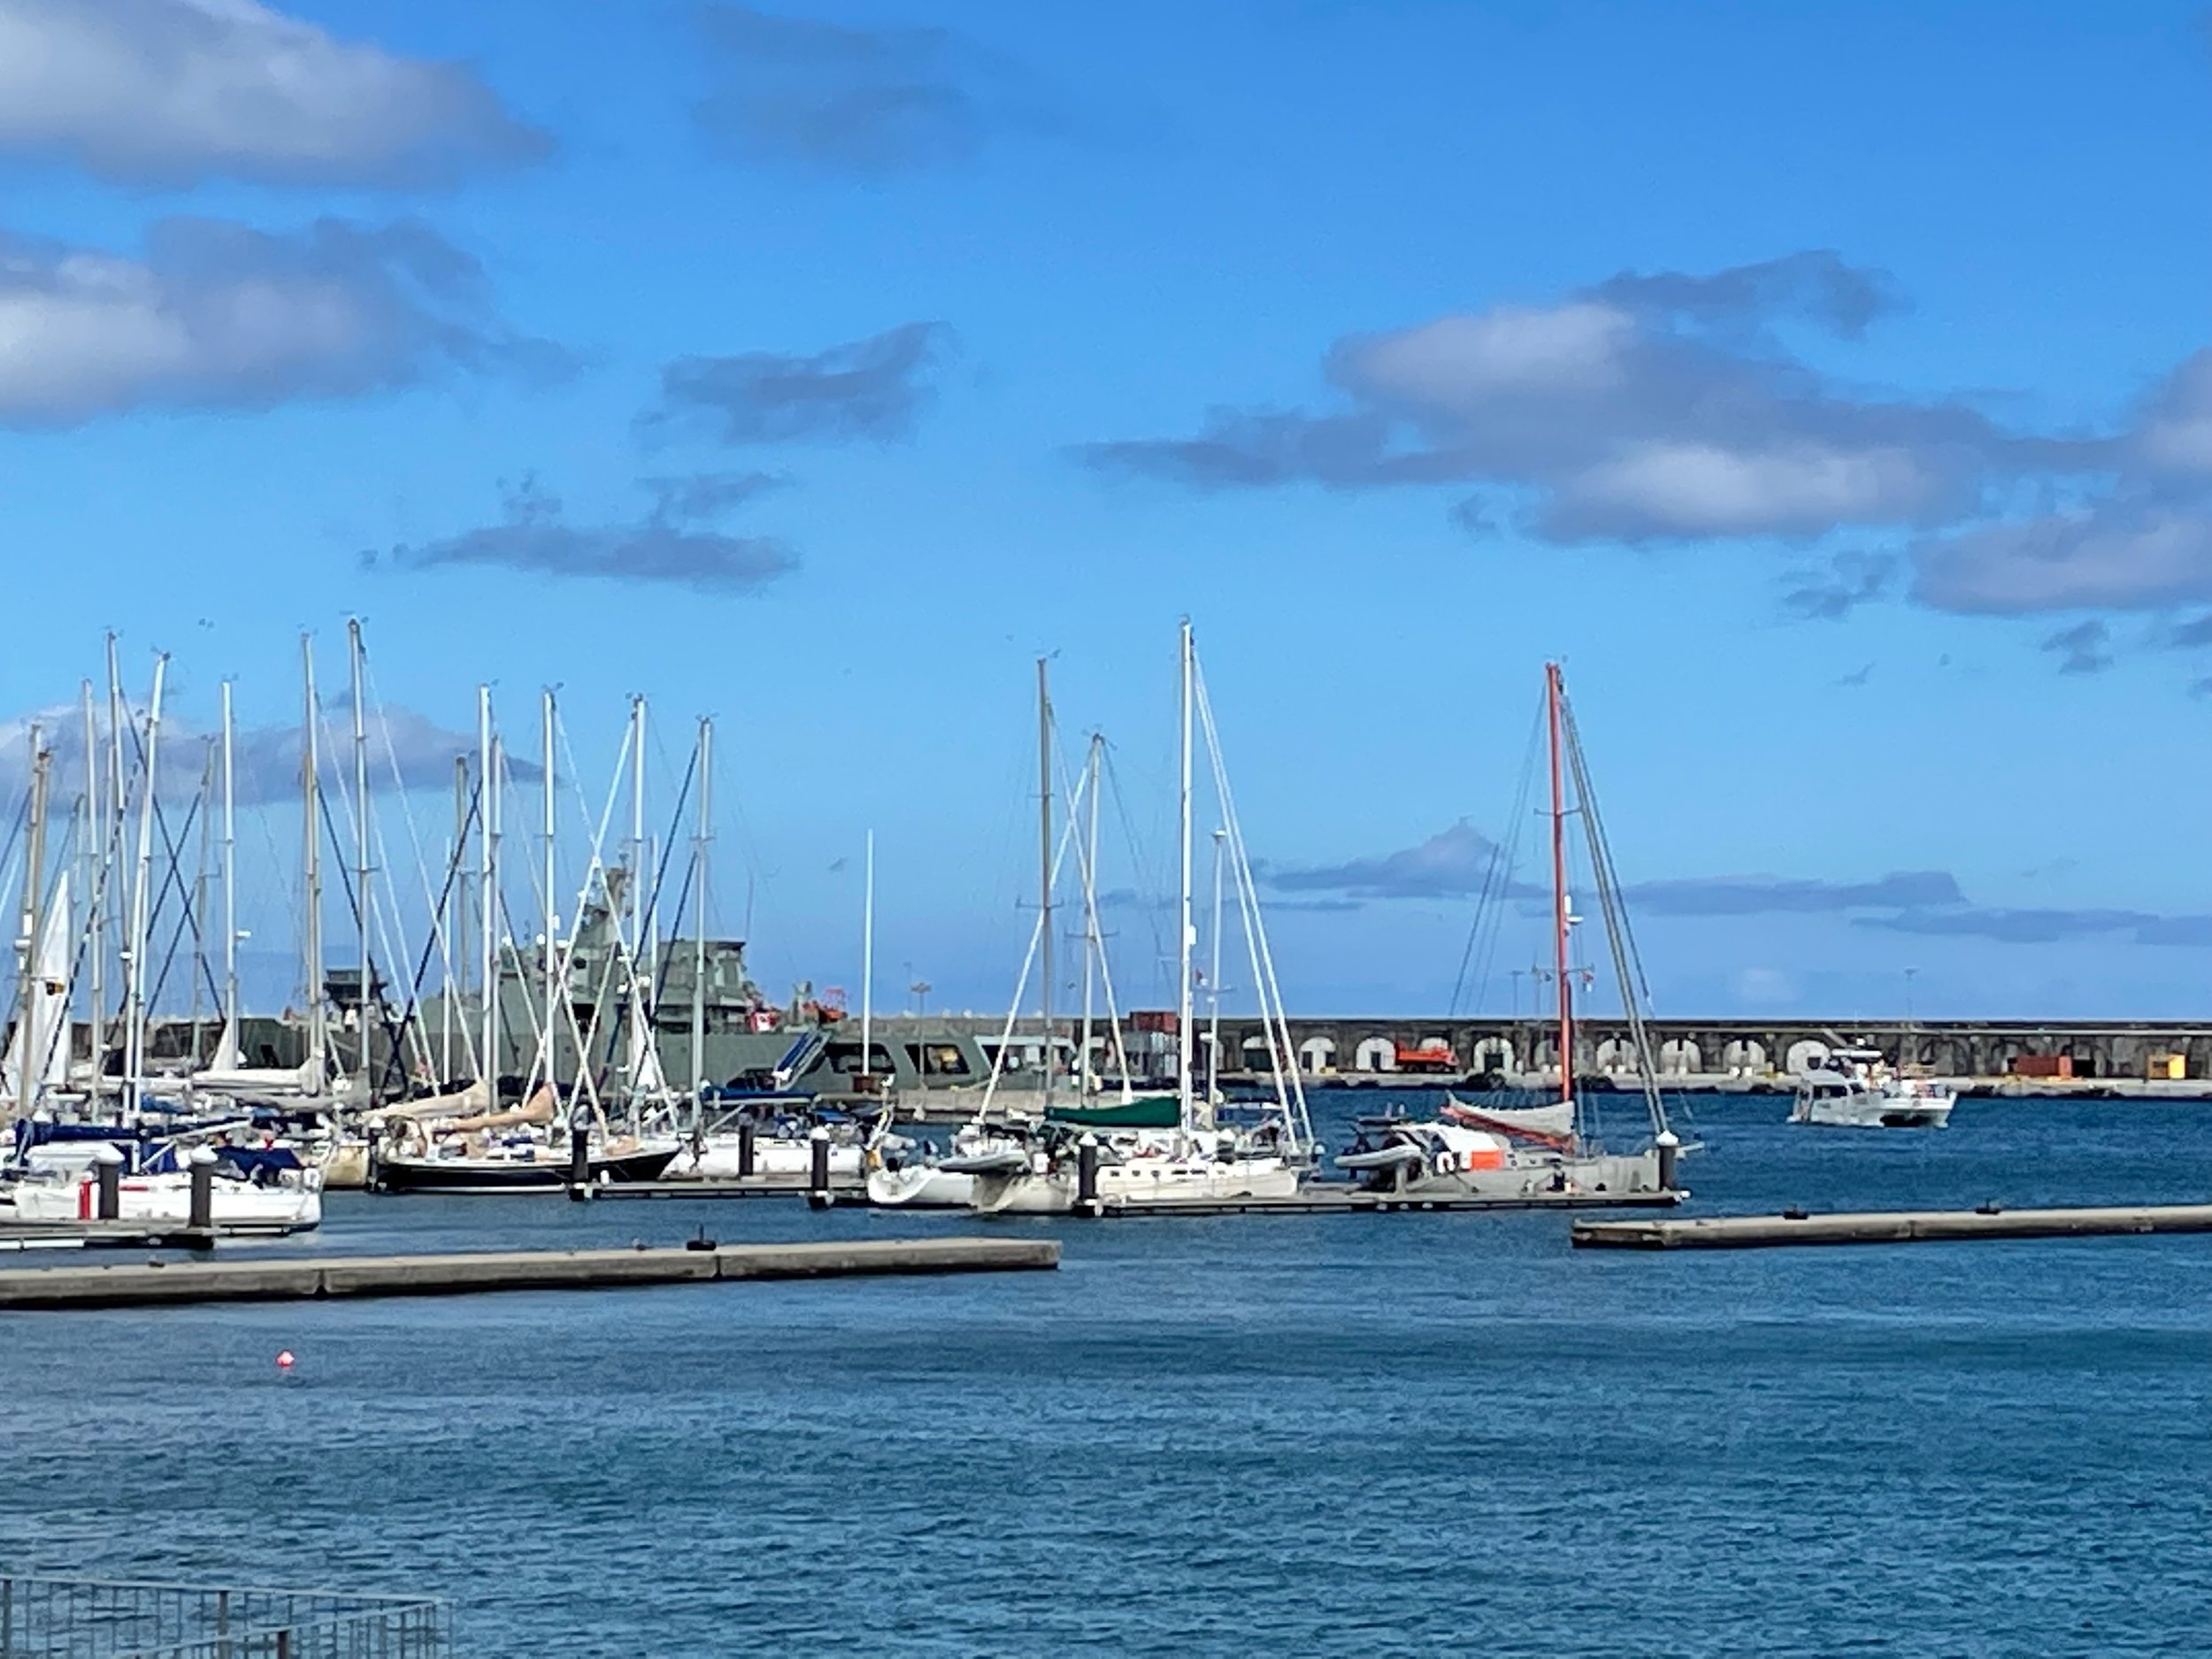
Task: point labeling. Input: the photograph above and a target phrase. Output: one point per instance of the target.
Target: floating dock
(733, 1187)
(113, 1235)
(1892, 1226)
(311, 1279)
(1335, 1199)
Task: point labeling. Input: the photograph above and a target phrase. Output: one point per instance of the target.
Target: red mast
(1552, 693)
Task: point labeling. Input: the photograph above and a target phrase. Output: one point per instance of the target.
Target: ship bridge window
(844, 1059)
(939, 1059)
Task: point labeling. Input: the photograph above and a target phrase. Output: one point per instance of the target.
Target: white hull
(774, 1158)
(921, 1186)
(166, 1201)
(1139, 1183)
(1868, 1109)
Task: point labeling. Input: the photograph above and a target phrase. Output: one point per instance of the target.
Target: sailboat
(1193, 1160)
(1541, 1151)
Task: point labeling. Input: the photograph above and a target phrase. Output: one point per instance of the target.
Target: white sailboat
(1477, 1149)
(1195, 1162)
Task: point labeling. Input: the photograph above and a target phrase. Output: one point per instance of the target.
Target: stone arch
(1495, 1054)
(1804, 1055)
(1680, 1056)
(1375, 1054)
(1745, 1056)
(1616, 1055)
(1316, 1056)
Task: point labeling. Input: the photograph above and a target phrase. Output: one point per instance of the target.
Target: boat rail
(92, 1619)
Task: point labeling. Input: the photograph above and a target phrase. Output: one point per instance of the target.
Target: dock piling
(745, 1137)
(203, 1214)
(1669, 1147)
(817, 1186)
(1086, 1175)
(107, 1169)
(579, 1157)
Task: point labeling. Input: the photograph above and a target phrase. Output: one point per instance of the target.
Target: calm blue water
(1331, 1435)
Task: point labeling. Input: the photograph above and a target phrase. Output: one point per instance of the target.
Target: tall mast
(142, 922)
(93, 858)
(640, 1034)
(112, 891)
(452, 917)
(488, 895)
(196, 911)
(311, 871)
(1093, 947)
(1182, 913)
(361, 855)
(552, 918)
(30, 1043)
(1044, 872)
(699, 845)
(868, 960)
(1559, 892)
(230, 870)
(1213, 985)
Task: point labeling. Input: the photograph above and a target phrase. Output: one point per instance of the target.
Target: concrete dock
(1340, 1198)
(111, 1235)
(1895, 1226)
(309, 1279)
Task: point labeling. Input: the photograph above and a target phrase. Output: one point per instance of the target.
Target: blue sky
(1817, 382)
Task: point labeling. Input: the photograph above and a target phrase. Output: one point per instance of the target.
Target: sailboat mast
(634, 1012)
(453, 919)
(142, 921)
(488, 784)
(30, 1043)
(361, 873)
(1093, 947)
(230, 869)
(1182, 913)
(94, 883)
(1044, 874)
(868, 960)
(1559, 890)
(1213, 985)
(312, 870)
(196, 912)
(699, 920)
(547, 1037)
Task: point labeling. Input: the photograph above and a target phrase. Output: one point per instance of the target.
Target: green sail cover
(1147, 1112)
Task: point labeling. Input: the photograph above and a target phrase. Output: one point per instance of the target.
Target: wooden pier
(311, 1279)
(1895, 1226)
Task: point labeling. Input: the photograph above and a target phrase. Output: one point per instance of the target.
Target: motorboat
(1856, 1088)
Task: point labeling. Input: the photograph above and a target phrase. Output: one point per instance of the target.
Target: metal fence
(88, 1618)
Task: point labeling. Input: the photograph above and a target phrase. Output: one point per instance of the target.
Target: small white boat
(1134, 1173)
(1855, 1088)
(293, 1204)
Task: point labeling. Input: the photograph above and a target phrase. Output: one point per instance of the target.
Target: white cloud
(168, 92)
(216, 313)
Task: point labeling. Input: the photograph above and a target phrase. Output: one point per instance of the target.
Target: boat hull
(921, 1186)
(405, 1174)
(234, 1206)
(1872, 1110)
